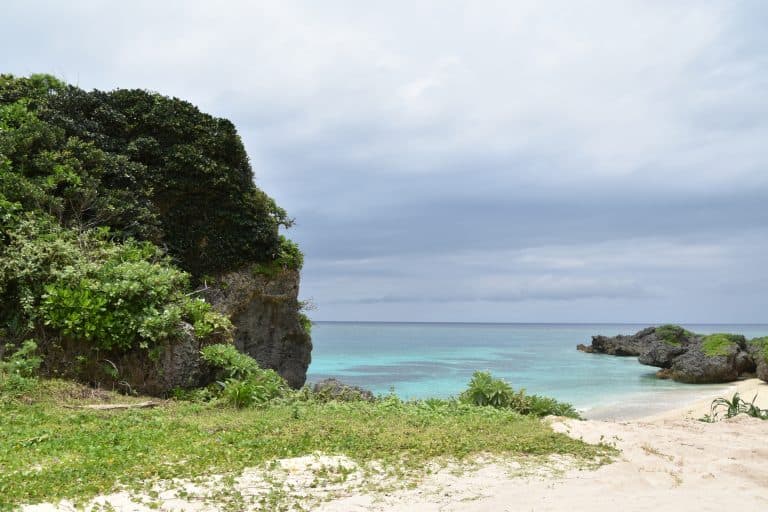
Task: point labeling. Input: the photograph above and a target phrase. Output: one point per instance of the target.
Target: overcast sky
(513, 161)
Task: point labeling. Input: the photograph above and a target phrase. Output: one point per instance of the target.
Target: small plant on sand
(733, 407)
(484, 390)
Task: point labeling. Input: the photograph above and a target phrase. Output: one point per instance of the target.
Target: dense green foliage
(720, 344)
(484, 389)
(112, 205)
(672, 334)
(18, 371)
(83, 286)
(145, 165)
(242, 383)
(49, 452)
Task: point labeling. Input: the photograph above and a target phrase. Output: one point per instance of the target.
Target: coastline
(747, 389)
(692, 402)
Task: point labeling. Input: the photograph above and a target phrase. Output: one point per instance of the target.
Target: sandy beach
(668, 461)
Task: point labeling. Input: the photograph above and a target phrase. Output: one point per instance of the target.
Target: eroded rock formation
(265, 312)
(685, 356)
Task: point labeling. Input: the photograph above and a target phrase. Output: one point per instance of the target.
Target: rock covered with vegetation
(262, 303)
(688, 357)
(114, 208)
(758, 349)
(334, 389)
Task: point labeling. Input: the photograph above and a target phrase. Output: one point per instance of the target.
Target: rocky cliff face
(175, 363)
(265, 312)
(685, 356)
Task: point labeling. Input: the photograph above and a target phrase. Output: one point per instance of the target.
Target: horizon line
(528, 323)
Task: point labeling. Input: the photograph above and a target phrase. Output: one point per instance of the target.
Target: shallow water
(417, 360)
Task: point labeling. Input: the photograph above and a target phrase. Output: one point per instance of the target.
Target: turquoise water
(418, 360)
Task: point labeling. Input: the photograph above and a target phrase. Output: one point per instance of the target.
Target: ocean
(419, 360)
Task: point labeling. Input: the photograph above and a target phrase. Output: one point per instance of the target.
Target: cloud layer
(471, 161)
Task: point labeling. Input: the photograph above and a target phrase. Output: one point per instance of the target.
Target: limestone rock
(265, 312)
(683, 355)
(334, 389)
(174, 364)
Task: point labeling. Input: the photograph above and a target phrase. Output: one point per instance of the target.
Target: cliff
(264, 310)
(114, 207)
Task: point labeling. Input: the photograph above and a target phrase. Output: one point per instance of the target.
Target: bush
(147, 166)
(485, 390)
(733, 407)
(241, 381)
(259, 388)
(229, 362)
(85, 286)
(18, 371)
(672, 334)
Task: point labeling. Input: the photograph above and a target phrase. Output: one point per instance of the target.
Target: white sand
(669, 461)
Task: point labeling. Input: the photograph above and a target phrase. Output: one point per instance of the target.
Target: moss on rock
(672, 334)
(721, 344)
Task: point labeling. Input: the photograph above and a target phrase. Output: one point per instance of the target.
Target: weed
(733, 407)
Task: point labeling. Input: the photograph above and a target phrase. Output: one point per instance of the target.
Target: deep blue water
(418, 360)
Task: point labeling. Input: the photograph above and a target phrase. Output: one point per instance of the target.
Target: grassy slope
(48, 452)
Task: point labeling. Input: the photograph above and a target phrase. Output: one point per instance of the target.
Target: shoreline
(693, 400)
(747, 389)
(668, 461)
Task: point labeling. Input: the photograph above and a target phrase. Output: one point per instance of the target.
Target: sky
(512, 161)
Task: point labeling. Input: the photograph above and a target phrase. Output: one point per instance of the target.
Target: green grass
(49, 452)
(672, 334)
(719, 344)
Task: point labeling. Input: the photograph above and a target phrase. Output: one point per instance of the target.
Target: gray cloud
(488, 161)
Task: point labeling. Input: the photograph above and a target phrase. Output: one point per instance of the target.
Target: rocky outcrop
(264, 310)
(758, 349)
(334, 389)
(618, 345)
(174, 364)
(694, 366)
(683, 355)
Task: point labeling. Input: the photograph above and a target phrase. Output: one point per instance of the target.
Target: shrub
(306, 323)
(258, 388)
(288, 257)
(733, 407)
(206, 322)
(18, 371)
(125, 296)
(485, 390)
(241, 381)
(229, 362)
(85, 286)
(672, 334)
(146, 165)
